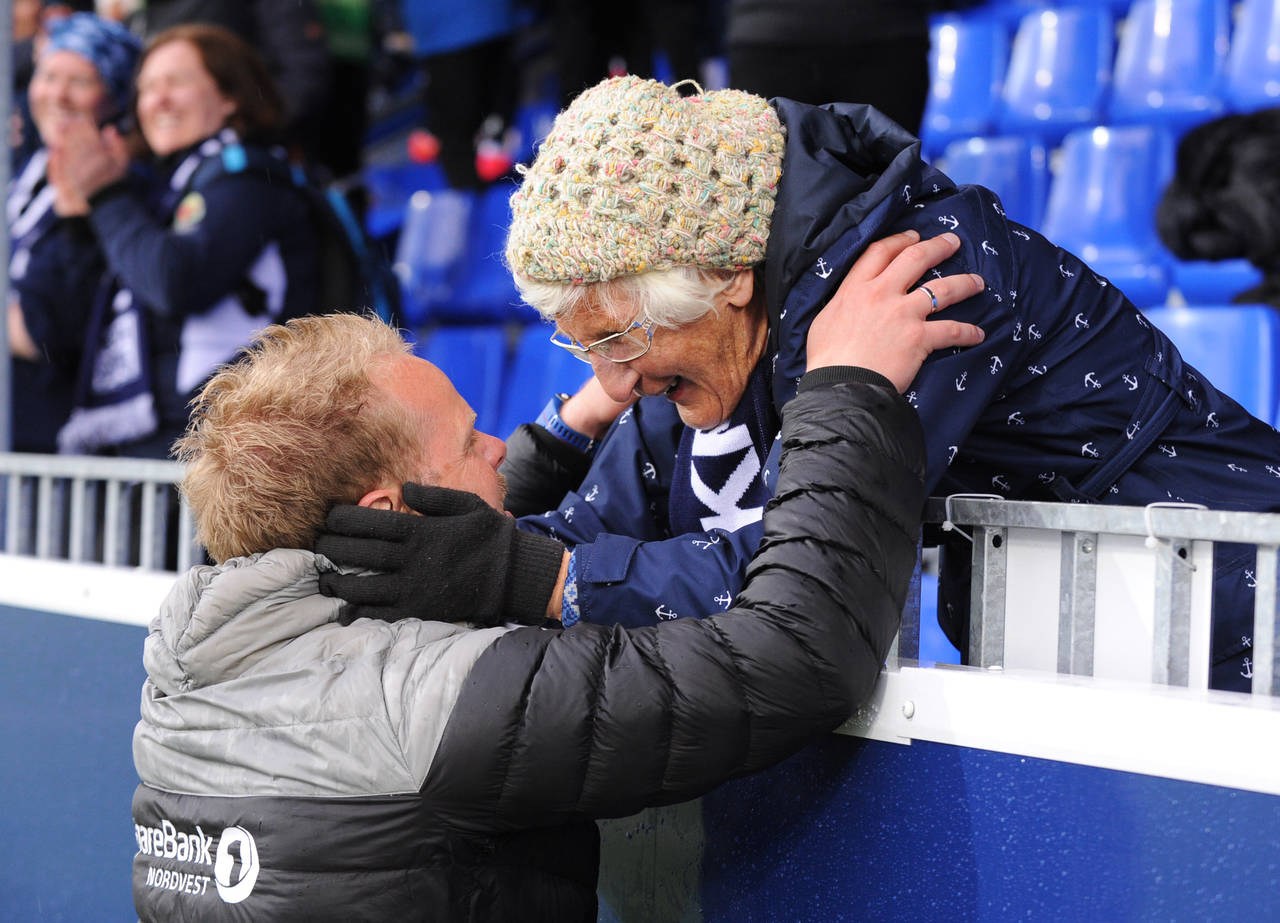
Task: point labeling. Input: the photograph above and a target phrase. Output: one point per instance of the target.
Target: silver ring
(933, 301)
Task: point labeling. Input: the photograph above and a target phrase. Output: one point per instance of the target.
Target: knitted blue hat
(109, 47)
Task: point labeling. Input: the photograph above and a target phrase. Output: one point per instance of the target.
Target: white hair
(669, 297)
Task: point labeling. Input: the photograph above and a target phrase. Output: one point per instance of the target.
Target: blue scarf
(717, 483)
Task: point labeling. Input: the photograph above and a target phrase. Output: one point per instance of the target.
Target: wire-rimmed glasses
(623, 346)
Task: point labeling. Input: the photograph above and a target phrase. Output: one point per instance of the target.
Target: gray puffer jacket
(296, 768)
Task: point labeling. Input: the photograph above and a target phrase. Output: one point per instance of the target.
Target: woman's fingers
(945, 334)
(878, 255)
(935, 294)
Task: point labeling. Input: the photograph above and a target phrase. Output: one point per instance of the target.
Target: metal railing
(114, 511)
(1167, 531)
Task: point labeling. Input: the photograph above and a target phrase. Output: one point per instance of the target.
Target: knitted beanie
(634, 177)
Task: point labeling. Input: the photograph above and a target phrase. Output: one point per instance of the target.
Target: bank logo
(235, 861)
(235, 870)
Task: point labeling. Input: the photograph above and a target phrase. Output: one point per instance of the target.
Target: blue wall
(69, 689)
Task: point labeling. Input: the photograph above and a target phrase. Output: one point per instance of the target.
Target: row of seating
(1176, 62)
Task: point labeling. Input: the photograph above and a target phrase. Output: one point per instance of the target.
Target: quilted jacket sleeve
(598, 721)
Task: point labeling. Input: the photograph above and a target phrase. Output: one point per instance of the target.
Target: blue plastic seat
(1234, 346)
(1014, 168)
(1253, 65)
(1171, 63)
(1214, 281)
(484, 291)
(389, 187)
(1059, 72)
(474, 358)
(538, 370)
(967, 60)
(533, 121)
(1102, 204)
(430, 250)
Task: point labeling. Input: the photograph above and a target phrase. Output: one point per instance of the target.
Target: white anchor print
(1132, 430)
(780, 317)
(592, 493)
(823, 269)
(996, 364)
(626, 415)
(724, 599)
(1066, 273)
(918, 205)
(1130, 381)
(1023, 234)
(936, 273)
(989, 250)
(906, 193)
(1046, 477)
(1015, 419)
(1033, 332)
(1191, 398)
(951, 453)
(999, 210)
(996, 296)
(1246, 641)
(705, 543)
(1142, 320)
(649, 471)
(1115, 489)
(1037, 369)
(960, 382)
(1273, 471)
(1081, 322)
(664, 613)
(1211, 421)
(1234, 467)
(1089, 450)
(935, 187)
(1090, 381)
(949, 220)
(1168, 450)
(913, 399)
(1247, 672)
(1017, 331)
(1250, 580)
(1101, 281)
(1000, 484)
(568, 515)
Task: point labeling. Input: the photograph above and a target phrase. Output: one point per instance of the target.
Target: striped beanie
(634, 177)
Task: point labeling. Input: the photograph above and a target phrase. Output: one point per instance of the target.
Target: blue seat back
(1059, 72)
(1214, 281)
(1253, 65)
(1171, 62)
(968, 55)
(1233, 346)
(484, 291)
(389, 186)
(538, 370)
(430, 250)
(474, 358)
(1014, 168)
(1102, 204)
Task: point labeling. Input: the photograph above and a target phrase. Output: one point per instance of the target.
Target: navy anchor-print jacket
(1073, 395)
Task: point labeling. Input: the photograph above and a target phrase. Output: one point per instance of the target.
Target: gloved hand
(461, 560)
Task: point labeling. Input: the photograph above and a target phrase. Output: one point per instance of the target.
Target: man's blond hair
(293, 427)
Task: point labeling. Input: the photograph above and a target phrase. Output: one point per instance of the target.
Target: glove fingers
(367, 590)
(372, 553)
(359, 522)
(439, 501)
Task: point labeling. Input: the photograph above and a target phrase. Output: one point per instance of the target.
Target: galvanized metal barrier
(1169, 531)
(114, 511)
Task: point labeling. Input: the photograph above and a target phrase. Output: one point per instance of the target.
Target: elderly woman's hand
(877, 318)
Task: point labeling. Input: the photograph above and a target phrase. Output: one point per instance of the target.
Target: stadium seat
(1234, 346)
(533, 121)
(538, 370)
(474, 358)
(1102, 203)
(1171, 63)
(389, 187)
(1059, 72)
(968, 55)
(1214, 281)
(1253, 65)
(1014, 168)
(430, 250)
(484, 290)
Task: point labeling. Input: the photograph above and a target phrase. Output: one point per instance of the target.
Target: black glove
(460, 561)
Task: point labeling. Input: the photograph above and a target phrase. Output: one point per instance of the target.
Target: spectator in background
(216, 248)
(824, 51)
(83, 78)
(290, 37)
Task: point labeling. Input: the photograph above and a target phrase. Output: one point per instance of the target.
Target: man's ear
(741, 288)
(383, 498)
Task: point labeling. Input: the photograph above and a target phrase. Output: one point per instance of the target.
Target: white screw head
(909, 709)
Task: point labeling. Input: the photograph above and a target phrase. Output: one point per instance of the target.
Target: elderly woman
(83, 76)
(682, 245)
(216, 248)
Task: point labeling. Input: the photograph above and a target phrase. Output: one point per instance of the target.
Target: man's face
(451, 451)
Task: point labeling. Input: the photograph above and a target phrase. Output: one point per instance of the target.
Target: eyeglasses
(624, 346)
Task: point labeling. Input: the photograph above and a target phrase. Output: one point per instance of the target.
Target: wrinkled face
(178, 101)
(451, 451)
(700, 367)
(65, 89)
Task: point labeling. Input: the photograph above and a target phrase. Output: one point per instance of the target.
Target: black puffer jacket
(292, 780)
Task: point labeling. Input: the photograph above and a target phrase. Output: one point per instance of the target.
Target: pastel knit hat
(634, 177)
